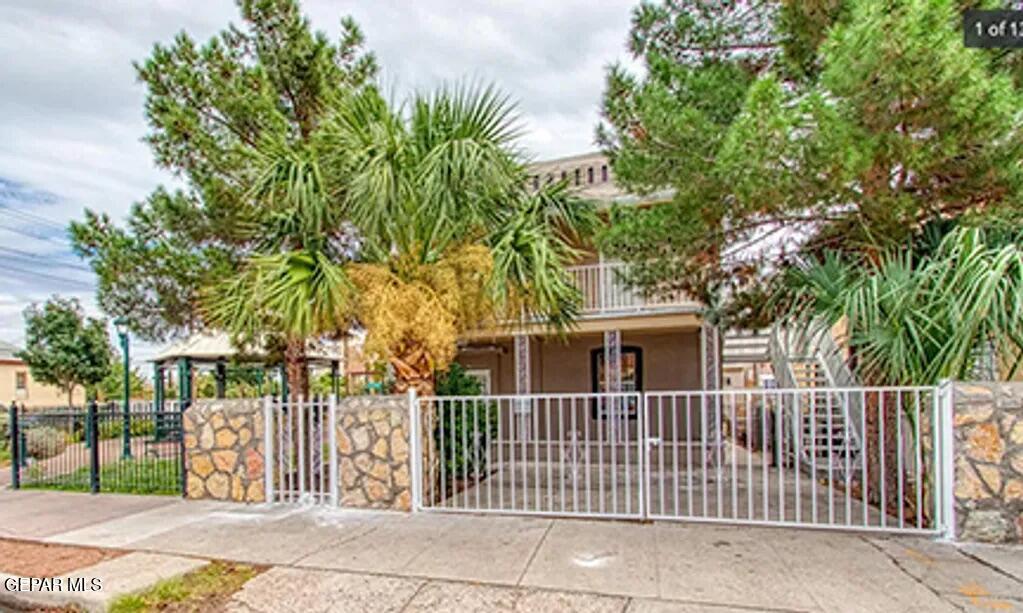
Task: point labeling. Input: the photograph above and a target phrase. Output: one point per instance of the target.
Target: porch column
(612, 361)
(522, 365)
(615, 407)
(710, 362)
(710, 379)
(523, 385)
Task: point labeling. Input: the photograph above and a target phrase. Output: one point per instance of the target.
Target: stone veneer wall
(224, 450)
(373, 452)
(989, 461)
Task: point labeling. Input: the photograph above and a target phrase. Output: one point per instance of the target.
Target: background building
(17, 384)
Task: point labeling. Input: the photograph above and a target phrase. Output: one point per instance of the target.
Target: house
(623, 341)
(17, 384)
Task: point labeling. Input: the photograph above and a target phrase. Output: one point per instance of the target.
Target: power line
(42, 275)
(33, 218)
(35, 257)
(40, 237)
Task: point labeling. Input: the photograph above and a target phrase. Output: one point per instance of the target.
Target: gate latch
(653, 441)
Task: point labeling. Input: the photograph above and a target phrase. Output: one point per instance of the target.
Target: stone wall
(224, 450)
(989, 461)
(373, 452)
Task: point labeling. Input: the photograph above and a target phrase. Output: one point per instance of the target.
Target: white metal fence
(559, 454)
(300, 462)
(792, 457)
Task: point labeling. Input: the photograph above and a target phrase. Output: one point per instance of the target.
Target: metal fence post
(182, 451)
(945, 473)
(268, 449)
(415, 454)
(93, 431)
(332, 437)
(15, 456)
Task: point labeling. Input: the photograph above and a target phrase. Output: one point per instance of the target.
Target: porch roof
(217, 346)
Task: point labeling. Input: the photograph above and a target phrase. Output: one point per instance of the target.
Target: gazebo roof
(214, 347)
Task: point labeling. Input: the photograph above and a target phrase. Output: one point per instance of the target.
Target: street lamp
(122, 333)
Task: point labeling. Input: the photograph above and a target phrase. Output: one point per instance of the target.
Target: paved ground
(329, 560)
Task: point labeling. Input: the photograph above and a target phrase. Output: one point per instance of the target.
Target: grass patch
(132, 476)
(205, 589)
(5, 458)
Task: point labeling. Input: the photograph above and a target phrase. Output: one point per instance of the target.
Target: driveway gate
(870, 459)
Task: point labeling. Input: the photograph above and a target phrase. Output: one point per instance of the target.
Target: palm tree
(414, 222)
(916, 319)
(293, 288)
(450, 236)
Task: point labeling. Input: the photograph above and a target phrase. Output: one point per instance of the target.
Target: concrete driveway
(327, 559)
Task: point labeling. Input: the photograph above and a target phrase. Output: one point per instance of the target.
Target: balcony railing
(605, 291)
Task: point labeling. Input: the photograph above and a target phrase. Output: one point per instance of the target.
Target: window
(603, 173)
(589, 174)
(21, 381)
(483, 376)
(631, 375)
(578, 176)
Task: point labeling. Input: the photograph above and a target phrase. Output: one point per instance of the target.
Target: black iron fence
(101, 448)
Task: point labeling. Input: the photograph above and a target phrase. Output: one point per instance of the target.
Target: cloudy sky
(71, 111)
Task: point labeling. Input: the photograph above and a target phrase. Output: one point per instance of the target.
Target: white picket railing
(605, 291)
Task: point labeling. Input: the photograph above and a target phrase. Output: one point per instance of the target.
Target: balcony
(605, 293)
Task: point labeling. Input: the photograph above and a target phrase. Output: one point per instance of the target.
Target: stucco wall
(671, 361)
(35, 394)
(989, 461)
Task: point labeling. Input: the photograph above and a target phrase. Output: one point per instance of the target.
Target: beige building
(17, 385)
(624, 341)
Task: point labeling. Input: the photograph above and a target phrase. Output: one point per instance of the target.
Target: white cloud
(71, 117)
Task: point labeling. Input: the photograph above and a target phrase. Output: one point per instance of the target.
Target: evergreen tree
(211, 108)
(63, 347)
(826, 125)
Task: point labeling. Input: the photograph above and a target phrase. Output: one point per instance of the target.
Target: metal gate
(549, 454)
(871, 459)
(301, 450)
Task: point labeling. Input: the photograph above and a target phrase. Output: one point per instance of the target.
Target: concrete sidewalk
(432, 561)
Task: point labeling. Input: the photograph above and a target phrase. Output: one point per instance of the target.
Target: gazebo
(215, 351)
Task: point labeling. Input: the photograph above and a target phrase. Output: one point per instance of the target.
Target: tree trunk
(412, 370)
(297, 370)
(70, 413)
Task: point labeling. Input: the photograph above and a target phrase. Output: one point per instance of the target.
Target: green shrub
(467, 426)
(143, 426)
(44, 442)
(109, 428)
(113, 427)
(5, 430)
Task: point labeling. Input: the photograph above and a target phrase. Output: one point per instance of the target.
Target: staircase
(828, 417)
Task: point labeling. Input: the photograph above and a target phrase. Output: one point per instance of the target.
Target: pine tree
(211, 108)
(843, 126)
